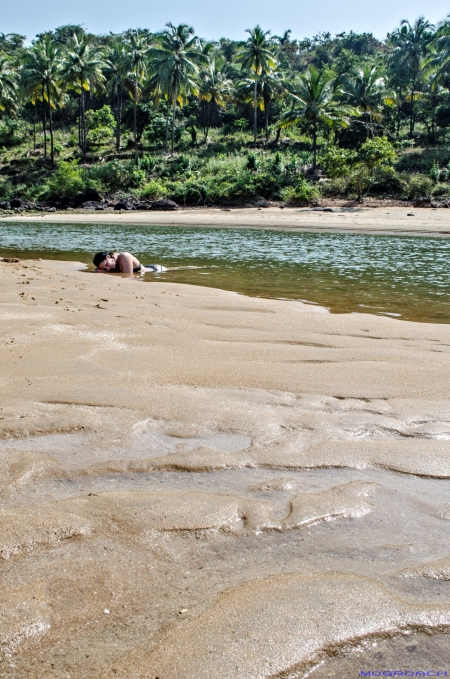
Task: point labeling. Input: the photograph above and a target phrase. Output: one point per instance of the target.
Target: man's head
(104, 261)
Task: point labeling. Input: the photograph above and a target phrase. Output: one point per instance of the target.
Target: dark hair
(99, 258)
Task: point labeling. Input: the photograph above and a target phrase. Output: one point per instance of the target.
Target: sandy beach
(195, 483)
(383, 220)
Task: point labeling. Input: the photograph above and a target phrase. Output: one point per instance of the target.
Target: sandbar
(382, 220)
(198, 483)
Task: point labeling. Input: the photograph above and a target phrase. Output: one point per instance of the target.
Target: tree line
(348, 88)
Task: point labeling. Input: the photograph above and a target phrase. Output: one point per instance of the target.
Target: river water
(403, 277)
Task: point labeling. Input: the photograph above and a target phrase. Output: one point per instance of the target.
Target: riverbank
(199, 483)
(389, 220)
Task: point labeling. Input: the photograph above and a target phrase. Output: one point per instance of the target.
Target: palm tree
(284, 39)
(317, 102)
(136, 60)
(258, 57)
(176, 61)
(8, 85)
(82, 72)
(215, 88)
(410, 46)
(270, 85)
(437, 63)
(42, 74)
(366, 90)
(117, 74)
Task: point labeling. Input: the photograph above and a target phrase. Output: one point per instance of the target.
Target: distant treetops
(350, 86)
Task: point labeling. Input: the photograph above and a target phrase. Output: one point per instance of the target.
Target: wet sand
(194, 483)
(388, 220)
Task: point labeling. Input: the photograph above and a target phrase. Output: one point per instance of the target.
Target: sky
(213, 20)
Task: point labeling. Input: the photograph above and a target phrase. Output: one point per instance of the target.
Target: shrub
(336, 161)
(65, 182)
(100, 135)
(100, 125)
(156, 130)
(72, 141)
(435, 172)
(152, 190)
(6, 189)
(387, 180)
(377, 152)
(112, 176)
(420, 186)
(421, 161)
(12, 131)
(146, 163)
(334, 188)
(101, 118)
(441, 190)
(136, 178)
(252, 162)
(303, 193)
(57, 148)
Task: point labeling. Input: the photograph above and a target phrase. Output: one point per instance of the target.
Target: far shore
(381, 220)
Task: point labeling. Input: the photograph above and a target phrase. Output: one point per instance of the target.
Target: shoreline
(400, 221)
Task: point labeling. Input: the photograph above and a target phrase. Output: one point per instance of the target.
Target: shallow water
(405, 277)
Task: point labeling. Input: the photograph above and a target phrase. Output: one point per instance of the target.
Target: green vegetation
(145, 116)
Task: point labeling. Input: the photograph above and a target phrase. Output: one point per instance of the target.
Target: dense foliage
(270, 117)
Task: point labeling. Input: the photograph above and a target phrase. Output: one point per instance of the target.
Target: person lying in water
(123, 262)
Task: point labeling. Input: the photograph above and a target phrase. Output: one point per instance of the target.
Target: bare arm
(127, 262)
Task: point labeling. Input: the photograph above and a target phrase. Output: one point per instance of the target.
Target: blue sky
(217, 19)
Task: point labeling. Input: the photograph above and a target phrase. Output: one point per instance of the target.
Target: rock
(5, 205)
(164, 204)
(322, 209)
(16, 202)
(123, 205)
(422, 202)
(88, 196)
(314, 174)
(141, 206)
(410, 214)
(51, 209)
(92, 205)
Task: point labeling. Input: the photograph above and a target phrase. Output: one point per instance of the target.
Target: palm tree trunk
(266, 122)
(315, 144)
(210, 117)
(174, 111)
(411, 118)
(166, 139)
(119, 116)
(255, 112)
(366, 122)
(34, 127)
(433, 117)
(44, 123)
(52, 151)
(80, 142)
(134, 113)
(205, 132)
(83, 127)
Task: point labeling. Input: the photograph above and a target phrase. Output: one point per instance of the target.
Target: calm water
(406, 277)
